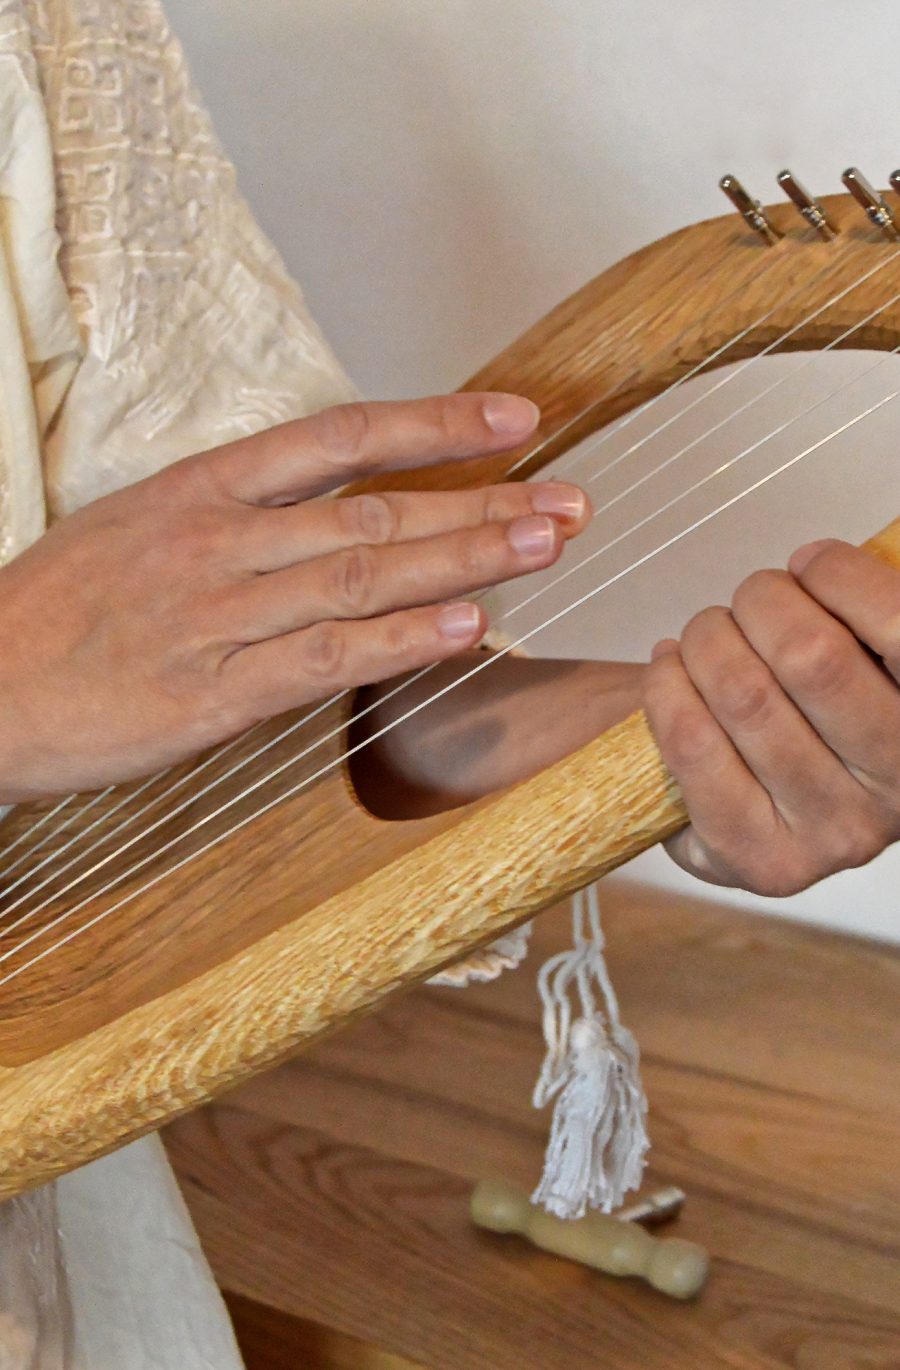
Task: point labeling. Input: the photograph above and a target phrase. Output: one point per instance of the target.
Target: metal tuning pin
(866, 196)
(894, 179)
(811, 210)
(660, 1207)
(750, 209)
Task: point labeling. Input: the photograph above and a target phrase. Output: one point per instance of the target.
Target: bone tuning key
(751, 210)
(671, 1265)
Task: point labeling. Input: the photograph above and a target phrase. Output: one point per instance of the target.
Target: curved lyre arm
(180, 985)
(665, 311)
(624, 338)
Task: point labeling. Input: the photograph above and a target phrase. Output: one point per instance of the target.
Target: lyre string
(411, 712)
(732, 375)
(530, 456)
(388, 727)
(669, 461)
(582, 453)
(404, 684)
(129, 819)
(196, 795)
(127, 798)
(610, 431)
(37, 825)
(60, 828)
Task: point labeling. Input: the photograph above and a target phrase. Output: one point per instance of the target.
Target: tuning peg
(895, 181)
(811, 210)
(875, 207)
(751, 210)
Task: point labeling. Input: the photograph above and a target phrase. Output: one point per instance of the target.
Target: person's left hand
(780, 720)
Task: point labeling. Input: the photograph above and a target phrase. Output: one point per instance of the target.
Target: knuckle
(780, 880)
(829, 560)
(704, 629)
(854, 842)
(706, 621)
(448, 417)
(370, 518)
(744, 697)
(324, 652)
(353, 581)
(781, 873)
(479, 554)
(343, 431)
(775, 866)
(223, 714)
(816, 664)
(207, 538)
(884, 791)
(654, 686)
(759, 586)
(193, 545)
(191, 479)
(399, 639)
(689, 739)
(500, 505)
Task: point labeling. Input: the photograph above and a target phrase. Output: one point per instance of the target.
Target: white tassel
(598, 1140)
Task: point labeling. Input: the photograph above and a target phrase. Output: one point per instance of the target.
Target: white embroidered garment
(165, 324)
(143, 316)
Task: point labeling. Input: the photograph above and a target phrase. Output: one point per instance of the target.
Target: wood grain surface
(334, 1189)
(271, 1339)
(290, 928)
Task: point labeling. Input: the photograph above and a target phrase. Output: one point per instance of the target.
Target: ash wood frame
(93, 1053)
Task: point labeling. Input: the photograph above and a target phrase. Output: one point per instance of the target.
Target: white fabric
(139, 1285)
(103, 1271)
(171, 327)
(143, 316)
(487, 963)
(35, 1313)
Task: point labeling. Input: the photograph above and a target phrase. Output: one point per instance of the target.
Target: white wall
(438, 175)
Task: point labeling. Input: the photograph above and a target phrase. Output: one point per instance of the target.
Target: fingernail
(804, 555)
(458, 621)
(666, 647)
(510, 414)
(564, 501)
(531, 537)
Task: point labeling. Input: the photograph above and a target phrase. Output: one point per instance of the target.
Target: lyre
(312, 914)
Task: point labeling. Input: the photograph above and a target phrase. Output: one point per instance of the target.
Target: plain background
(439, 175)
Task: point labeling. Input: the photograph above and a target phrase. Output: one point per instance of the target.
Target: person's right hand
(171, 615)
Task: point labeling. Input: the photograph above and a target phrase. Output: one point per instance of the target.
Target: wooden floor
(331, 1194)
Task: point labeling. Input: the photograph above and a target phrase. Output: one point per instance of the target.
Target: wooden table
(331, 1194)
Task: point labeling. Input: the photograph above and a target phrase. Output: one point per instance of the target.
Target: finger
(688, 851)
(277, 538)
(312, 456)
(363, 581)
(283, 673)
(729, 809)
(806, 781)
(850, 702)
(856, 588)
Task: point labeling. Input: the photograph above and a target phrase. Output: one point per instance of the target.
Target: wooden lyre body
(132, 1004)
